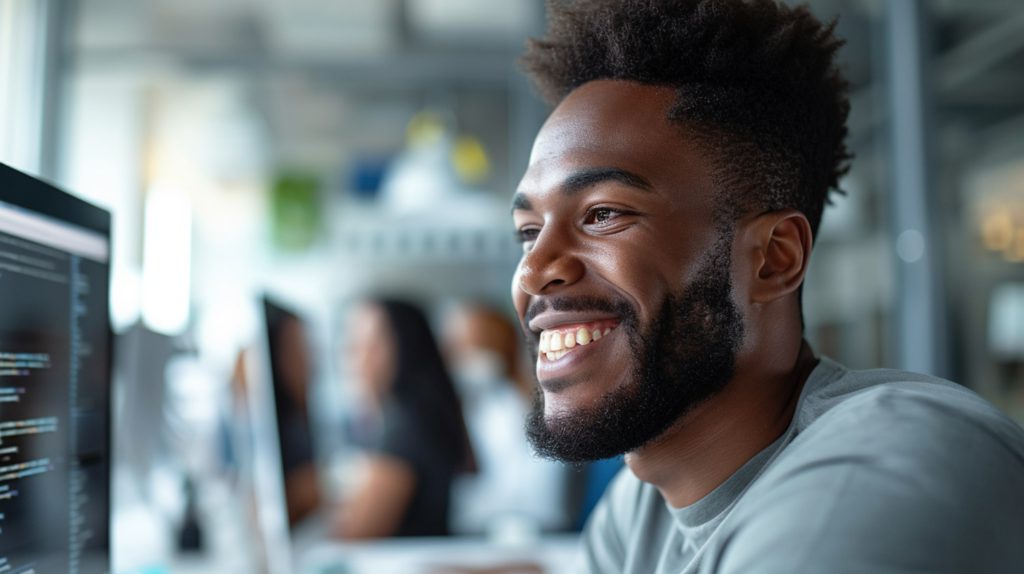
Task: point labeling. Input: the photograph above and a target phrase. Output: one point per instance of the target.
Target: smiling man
(667, 218)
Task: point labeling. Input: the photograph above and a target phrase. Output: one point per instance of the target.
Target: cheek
(638, 277)
(371, 369)
(359, 360)
(363, 357)
(378, 359)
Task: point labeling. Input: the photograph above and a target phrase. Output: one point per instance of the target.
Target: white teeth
(554, 345)
(570, 340)
(555, 342)
(554, 356)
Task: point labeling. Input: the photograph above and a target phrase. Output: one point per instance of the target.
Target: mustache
(617, 306)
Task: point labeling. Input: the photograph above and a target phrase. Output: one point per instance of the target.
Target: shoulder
(889, 409)
(900, 472)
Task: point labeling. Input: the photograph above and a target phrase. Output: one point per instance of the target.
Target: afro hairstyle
(756, 81)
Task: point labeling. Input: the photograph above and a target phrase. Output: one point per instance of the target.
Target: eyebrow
(519, 201)
(586, 178)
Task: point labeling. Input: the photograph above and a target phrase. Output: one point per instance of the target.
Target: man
(667, 217)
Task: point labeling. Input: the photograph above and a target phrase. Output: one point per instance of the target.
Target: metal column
(59, 29)
(919, 311)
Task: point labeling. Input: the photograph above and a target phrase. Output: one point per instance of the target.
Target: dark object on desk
(190, 535)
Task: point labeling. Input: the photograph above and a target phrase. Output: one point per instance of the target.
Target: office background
(321, 150)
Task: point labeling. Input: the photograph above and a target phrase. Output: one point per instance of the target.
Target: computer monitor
(291, 374)
(55, 357)
(264, 477)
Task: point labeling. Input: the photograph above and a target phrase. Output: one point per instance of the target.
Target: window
(22, 44)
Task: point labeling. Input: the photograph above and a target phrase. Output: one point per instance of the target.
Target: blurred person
(514, 491)
(421, 442)
(482, 346)
(290, 365)
(667, 217)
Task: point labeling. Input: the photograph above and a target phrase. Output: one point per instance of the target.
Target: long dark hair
(422, 388)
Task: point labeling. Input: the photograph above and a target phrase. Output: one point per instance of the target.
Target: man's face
(624, 286)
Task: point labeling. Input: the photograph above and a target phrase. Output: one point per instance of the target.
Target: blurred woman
(421, 443)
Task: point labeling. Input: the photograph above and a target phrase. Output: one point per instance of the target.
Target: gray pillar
(919, 318)
(59, 27)
(526, 111)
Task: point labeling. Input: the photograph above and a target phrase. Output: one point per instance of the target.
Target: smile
(558, 342)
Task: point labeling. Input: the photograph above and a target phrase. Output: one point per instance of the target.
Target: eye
(527, 235)
(600, 215)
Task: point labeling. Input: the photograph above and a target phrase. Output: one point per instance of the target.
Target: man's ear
(782, 242)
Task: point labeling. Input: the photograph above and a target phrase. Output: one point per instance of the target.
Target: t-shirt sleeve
(931, 488)
(602, 543)
(400, 438)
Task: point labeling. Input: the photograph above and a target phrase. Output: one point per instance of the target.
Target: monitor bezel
(27, 192)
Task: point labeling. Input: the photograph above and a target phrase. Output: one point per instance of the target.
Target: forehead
(616, 124)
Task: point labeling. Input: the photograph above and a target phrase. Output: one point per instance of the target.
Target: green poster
(295, 211)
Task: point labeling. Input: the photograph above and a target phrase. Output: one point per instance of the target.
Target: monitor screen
(54, 380)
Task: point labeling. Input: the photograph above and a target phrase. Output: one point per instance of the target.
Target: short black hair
(757, 83)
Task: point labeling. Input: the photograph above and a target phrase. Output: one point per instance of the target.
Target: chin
(576, 396)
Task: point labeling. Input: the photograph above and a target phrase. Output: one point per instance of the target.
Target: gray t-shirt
(879, 471)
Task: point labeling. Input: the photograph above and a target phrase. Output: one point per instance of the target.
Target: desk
(554, 554)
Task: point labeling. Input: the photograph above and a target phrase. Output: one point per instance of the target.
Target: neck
(711, 442)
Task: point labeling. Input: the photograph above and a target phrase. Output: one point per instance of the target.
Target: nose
(552, 262)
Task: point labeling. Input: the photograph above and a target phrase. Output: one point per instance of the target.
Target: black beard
(686, 356)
